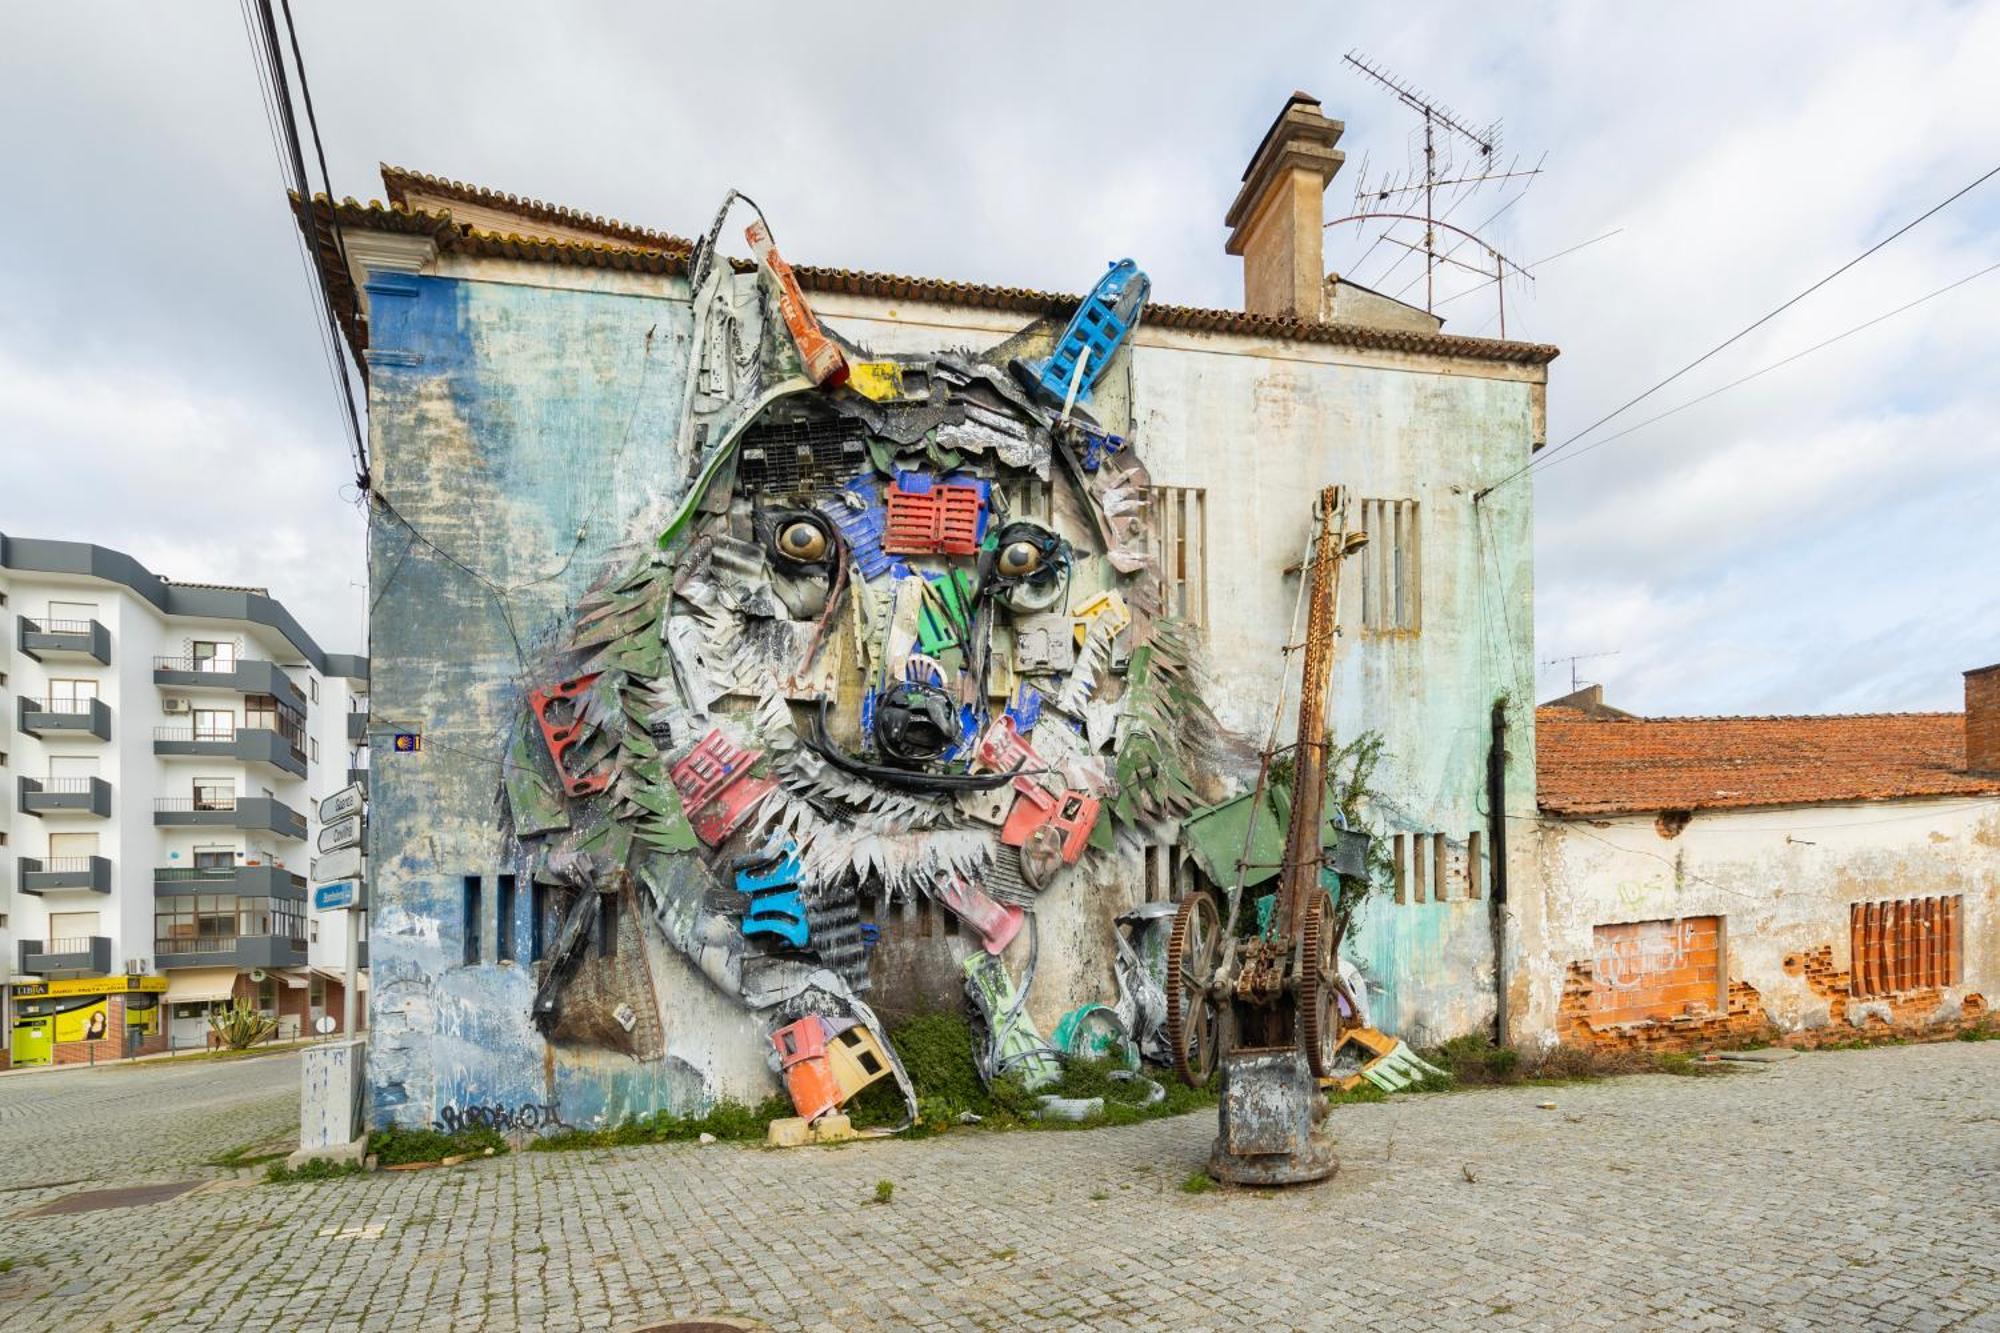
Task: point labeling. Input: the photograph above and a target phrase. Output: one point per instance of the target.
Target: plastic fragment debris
(771, 883)
(995, 924)
(927, 517)
(551, 706)
(1094, 334)
(716, 787)
(825, 365)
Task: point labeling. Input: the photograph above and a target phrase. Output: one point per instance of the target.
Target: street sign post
(339, 896)
(340, 833)
(343, 864)
(347, 801)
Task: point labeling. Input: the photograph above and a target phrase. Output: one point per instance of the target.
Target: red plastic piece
(997, 925)
(823, 360)
(941, 521)
(716, 788)
(560, 737)
(1072, 814)
(1002, 750)
(809, 1075)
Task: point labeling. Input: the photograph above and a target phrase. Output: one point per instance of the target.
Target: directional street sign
(345, 802)
(340, 833)
(343, 864)
(338, 896)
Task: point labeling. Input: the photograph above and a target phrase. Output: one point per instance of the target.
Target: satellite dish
(324, 1024)
(256, 974)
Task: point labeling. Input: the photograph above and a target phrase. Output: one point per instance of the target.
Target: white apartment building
(164, 750)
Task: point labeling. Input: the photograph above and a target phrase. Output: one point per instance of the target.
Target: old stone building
(1713, 880)
(529, 369)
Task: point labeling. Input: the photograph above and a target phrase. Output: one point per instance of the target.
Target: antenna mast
(1445, 134)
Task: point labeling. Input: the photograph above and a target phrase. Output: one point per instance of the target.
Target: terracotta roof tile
(399, 182)
(1587, 766)
(459, 238)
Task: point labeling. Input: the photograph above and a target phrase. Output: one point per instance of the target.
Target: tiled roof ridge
(397, 180)
(464, 238)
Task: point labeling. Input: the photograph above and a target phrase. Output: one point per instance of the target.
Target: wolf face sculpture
(902, 637)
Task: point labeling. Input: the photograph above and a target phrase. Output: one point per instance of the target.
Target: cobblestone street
(1834, 1191)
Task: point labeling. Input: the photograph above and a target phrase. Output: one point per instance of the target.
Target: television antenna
(1575, 683)
(1446, 138)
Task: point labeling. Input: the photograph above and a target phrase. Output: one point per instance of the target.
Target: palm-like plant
(240, 1026)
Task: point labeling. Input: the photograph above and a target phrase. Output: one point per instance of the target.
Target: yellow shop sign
(28, 990)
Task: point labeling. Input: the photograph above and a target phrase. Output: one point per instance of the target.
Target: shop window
(267, 995)
(1390, 567)
(1904, 944)
(316, 992)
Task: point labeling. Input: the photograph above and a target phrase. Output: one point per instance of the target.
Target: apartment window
(312, 688)
(71, 851)
(315, 749)
(312, 933)
(213, 655)
(1904, 944)
(214, 724)
(474, 914)
(215, 793)
(1180, 534)
(1390, 567)
(71, 615)
(214, 858)
(185, 923)
(71, 696)
(503, 912)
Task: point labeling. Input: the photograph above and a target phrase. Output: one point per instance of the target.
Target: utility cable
(1740, 334)
(1778, 365)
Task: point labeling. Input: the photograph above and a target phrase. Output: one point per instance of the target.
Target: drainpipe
(1496, 815)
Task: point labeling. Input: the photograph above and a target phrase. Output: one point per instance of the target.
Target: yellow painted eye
(1018, 560)
(802, 541)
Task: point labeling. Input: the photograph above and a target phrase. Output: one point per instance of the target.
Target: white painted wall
(1782, 880)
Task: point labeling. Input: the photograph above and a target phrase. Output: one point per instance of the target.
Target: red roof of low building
(1589, 766)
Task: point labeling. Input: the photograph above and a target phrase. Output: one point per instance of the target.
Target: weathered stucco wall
(522, 421)
(1782, 882)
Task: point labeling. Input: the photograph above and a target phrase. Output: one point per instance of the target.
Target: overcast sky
(1826, 538)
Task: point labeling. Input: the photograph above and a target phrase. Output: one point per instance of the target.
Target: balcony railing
(245, 675)
(79, 953)
(87, 796)
(228, 810)
(266, 880)
(65, 717)
(174, 733)
(46, 874)
(249, 745)
(64, 638)
(222, 943)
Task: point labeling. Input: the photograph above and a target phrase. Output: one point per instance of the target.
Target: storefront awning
(293, 980)
(200, 985)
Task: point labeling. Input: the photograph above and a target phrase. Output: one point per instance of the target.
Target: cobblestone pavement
(1840, 1190)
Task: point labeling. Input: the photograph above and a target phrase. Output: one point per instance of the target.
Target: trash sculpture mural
(900, 638)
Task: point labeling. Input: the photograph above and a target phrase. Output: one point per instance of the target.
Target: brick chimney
(1276, 223)
(1982, 720)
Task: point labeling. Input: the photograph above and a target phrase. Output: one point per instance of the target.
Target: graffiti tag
(526, 1117)
(1637, 957)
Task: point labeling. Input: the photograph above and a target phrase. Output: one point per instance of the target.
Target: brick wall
(1644, 970)
(1982, 719)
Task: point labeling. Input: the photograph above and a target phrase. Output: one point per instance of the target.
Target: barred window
(1390, 567)
(1904, 944)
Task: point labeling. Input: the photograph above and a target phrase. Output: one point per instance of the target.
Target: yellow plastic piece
(879, 380)
(1107, 606)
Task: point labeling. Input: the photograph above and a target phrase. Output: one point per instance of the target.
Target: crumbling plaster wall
(1260, 426)
(1783, 881)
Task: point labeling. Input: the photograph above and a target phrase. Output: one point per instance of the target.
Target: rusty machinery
(1262, 998)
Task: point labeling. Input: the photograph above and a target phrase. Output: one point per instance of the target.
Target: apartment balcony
(245, 745)
(230, 951)
(357, 728)
(237, 675)
(48, 874)
(73, 718)
(87, 954)
(64, 640)
(259, 814)
(245, 881)
(68, 796)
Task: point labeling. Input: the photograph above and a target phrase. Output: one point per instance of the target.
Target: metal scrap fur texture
(900, 639)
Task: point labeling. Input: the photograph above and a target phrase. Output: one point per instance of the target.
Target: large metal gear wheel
(1194, 953)
(1319, 986)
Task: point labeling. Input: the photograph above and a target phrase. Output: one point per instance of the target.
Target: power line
(261, 25)
(1740, 334)
(1778, 365)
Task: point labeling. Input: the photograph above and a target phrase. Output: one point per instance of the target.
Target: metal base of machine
(1269, 1121)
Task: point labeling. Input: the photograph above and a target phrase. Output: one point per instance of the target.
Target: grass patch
(1474, 1061)
(396, 1146)
(1986, 1029)
(246, 1154)
(885, 1190)
(1197, 1182)
(318, 1168)
(725, 1120)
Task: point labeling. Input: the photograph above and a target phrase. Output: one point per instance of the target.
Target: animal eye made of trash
(1018, 560)
(804, 541)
